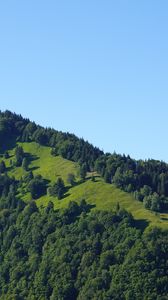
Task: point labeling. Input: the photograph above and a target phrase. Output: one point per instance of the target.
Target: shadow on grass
(30, 159)
(95, 178)
(90, 206)
(141, 224)
(32, 168)
(76, 183)
(65, 196)
(164, 218)
(67, 188)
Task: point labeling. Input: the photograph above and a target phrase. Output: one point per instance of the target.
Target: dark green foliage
(6, 155)
(93, 178)
(28, 131)
(107, 177)
(6, 126)
(37, 187)
(8, 191)
(19, 154)
(25, 163)
(58, 189)
(2, 167)
(73, 254)
(83, 171)
(40, 136)
(54, 152)
(28, 177)
(5, 183)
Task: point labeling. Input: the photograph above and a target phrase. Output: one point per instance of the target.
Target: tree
(28, 177)
(25, 163)
(155, 204)
(19, 153)
(58, 189)
(107, 177)
(71, 179)
(162, 184)
(40, 136)
(37, 187)
(147, 202)
(146, 190)
(83, 171)
(93, 178)
(118, 178)
(53, 151)
(2, 167)
(6, 155)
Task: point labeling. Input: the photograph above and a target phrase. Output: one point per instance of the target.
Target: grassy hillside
(105, 196)
(42, 162)
(101, 195)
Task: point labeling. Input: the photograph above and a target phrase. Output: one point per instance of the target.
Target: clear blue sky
(98, 69)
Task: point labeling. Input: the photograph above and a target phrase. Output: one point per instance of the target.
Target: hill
(77, 223)
(147, 180)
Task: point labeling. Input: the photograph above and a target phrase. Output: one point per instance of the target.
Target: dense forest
(78, 252)
(147, 180)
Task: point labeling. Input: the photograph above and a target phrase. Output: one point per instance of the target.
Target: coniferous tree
(107, 177)
(19, 153)
(25, 163)
(2, 167)
(37, 187)
(6, 155)
(58, 189)
(83, 171)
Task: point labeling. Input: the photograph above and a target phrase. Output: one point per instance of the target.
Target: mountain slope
(104, 245)
(146, 180)
(101, 195)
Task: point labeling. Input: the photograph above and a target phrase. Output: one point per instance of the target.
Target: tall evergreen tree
(83, 171)
(2, 167)
(25, 163)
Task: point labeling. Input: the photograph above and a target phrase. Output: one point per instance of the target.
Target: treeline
(147, 180)
(65, 144)
(78, 254)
